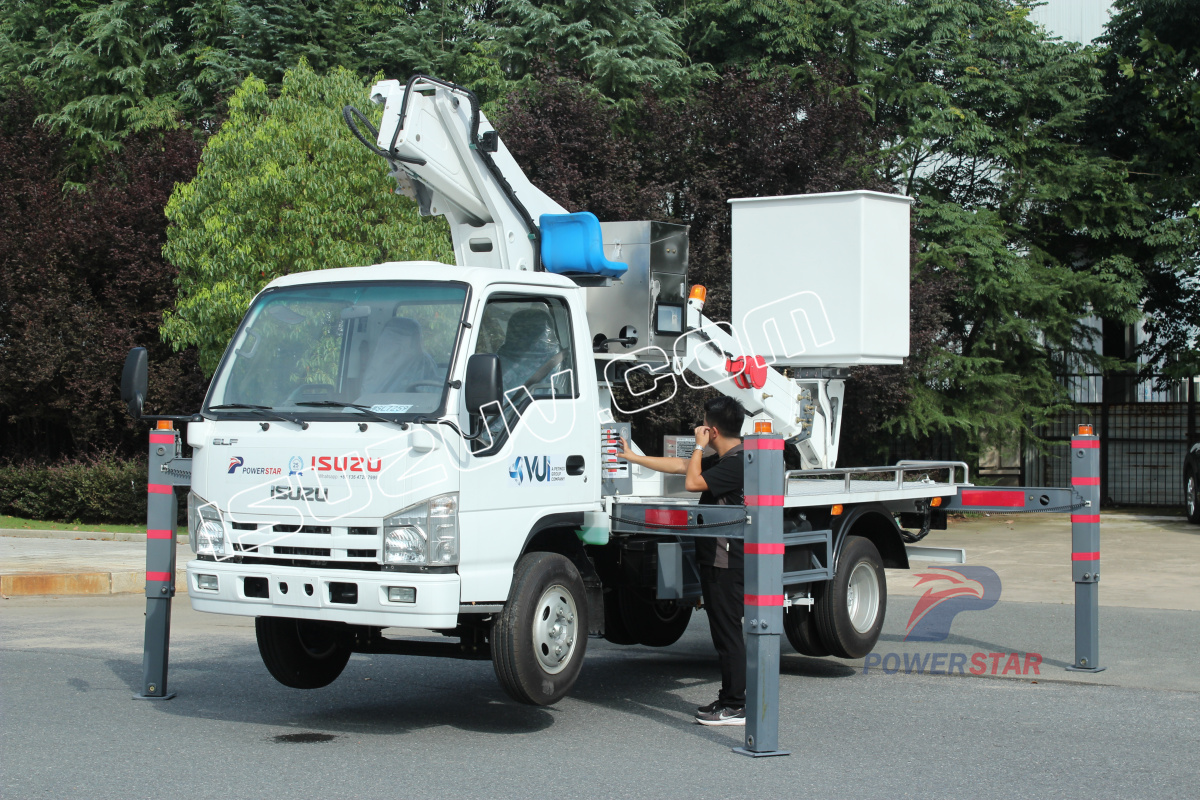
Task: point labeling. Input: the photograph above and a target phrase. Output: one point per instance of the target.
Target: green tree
(282, 188)
(1149, 118)
(984, 116)
(111, 70)
(619, 47)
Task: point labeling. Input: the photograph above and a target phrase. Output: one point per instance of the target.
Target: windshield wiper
(367, 410)
(262, 411)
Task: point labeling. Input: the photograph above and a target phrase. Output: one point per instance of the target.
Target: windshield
(385, 346)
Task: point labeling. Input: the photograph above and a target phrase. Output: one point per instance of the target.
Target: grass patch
(20, 523)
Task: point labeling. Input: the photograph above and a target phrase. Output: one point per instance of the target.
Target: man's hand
(703, 436)
(626, 451)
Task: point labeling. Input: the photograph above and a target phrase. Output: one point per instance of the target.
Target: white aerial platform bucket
(821, 280)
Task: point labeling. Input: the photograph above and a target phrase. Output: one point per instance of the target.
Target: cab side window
(532, 337)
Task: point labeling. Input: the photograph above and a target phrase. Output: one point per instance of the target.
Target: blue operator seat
(572, 244)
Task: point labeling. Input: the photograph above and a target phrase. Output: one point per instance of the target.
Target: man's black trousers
(723, 598)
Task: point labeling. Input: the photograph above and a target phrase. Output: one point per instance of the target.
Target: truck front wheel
(302, 654)
(539, 639)
(850, 613)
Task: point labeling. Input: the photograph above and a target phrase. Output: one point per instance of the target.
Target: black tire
(651, 622)
(614, 624)
(1191, 490)
(844, 636)
(548, 593)
(302, 654)
(800, 625)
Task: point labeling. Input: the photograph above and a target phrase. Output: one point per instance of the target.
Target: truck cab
(338, 472)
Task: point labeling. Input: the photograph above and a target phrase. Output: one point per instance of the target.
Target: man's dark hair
(726, 415)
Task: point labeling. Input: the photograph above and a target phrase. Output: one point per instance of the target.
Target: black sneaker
(723, 716)
(710, 708)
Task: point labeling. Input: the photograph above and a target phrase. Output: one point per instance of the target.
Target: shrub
(103, 489)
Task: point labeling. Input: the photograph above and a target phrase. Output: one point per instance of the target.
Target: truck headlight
(423, 534)
(205, 530)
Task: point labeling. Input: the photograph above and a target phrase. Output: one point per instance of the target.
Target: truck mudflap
(383, 599)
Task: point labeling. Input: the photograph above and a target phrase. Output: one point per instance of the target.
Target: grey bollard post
(162, 510)
(1085, 550)
(763, 620)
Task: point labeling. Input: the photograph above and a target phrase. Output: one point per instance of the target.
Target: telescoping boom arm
(443, 152)
(805, 410)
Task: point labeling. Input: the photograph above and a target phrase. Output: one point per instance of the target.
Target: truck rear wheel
(801, 629)
(614, 624)
(1191, 492)
(302, 654)
(539, 640)
(652, 622)
(850, 615)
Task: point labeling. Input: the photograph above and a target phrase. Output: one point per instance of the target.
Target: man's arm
(694, 481)
(672, 466)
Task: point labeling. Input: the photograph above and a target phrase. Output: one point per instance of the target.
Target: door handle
(574, 465)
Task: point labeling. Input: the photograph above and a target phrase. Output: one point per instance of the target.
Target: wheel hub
(862, 597)
(554, 631)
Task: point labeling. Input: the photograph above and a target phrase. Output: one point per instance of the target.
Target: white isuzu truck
(432, 447)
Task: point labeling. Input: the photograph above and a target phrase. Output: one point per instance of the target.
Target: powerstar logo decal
(956, 589)
(237, 466)
(530, 470)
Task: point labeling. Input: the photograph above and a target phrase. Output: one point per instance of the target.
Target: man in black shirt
(719, 478)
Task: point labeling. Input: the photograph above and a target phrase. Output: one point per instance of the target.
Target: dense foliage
(1054, 183)
(84, 280)
(283, 188)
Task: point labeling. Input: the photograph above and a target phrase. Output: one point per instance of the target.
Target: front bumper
(309, 595)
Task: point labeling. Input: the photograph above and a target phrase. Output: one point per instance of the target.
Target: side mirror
(483, 385)
(135, 381)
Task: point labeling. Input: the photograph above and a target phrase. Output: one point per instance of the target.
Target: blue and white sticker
(538, 470)
(391, 409)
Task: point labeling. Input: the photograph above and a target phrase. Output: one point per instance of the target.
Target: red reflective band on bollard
(159, 488)
(158, 576)
(1085, 518)
(764, 500)
(1085, 556)
(1085, 481)
(1088, 443)
(667, 516)
(976, 497)
(764, 549)
(159, 534)
(162, 438)
(763, 599)
(762, 444)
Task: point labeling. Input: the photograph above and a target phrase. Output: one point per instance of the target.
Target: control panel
(616, 477)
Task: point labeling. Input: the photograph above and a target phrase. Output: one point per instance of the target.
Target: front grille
(361, 553)
(362, 531)
(245, 548)
(302, 529)
(320, 552)
(244, 526)
(362, 566)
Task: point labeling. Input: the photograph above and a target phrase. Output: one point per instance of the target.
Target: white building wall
(1074, 20)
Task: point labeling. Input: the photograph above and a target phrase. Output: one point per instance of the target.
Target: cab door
(538, 458)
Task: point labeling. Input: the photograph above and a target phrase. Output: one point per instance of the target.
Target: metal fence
(1145, 431)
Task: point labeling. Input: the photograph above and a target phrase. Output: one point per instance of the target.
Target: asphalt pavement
(1009, 724)
(394, 726)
